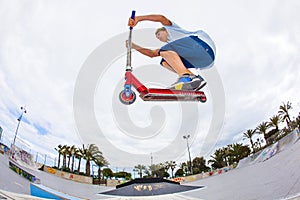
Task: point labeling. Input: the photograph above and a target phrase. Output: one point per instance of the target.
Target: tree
(89, 154)
(107, 172)
(284, 112)
(199, 165)
(218, 160)
(184, 167)
(68, 157)
(69, 152)
(150, 171)
(297, 122)
(173, 165)
(124, 175)
(59, 149)
(64, 154)
(262, 129)
(170, 164)
(79, 155)
(239, 151)
(100, 162)
(140, 169)
(159, 170)
(272, 134)
(73, 151)
(229, 155)
(179, 172)
(249, 134)
(167, 165)
(74, 155)
(274, 122)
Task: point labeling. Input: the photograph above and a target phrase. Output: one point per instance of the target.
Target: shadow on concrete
(149, 187)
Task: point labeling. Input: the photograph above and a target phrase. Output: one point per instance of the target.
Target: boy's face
(162, 36)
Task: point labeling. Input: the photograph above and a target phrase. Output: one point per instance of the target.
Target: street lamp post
(19, 119)
(186, 137)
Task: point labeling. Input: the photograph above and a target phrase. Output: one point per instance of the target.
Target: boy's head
(162, 34)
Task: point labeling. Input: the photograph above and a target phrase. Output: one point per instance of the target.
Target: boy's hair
(160, 29)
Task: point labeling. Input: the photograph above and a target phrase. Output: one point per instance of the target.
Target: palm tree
(100, 162)
(170, 164)
(159, 170)
(59, 149)
(274, 121)
(262, 129)
(227, 154)
(184, 168)
(217, 160)
(64, 154)
(153, 170)
(69, 155)
(284, 112)
(89, 154)
(297, 121)
(239, 151)
(173, 165)
(79, 155)
(272, 134)
(140, 169)
(249, 134)
(73, 151)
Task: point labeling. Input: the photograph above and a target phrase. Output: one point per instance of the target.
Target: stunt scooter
(128, 96)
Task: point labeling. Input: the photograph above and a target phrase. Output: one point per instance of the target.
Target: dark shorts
(193, 52)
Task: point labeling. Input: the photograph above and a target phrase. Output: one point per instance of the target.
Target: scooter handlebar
(132, 17)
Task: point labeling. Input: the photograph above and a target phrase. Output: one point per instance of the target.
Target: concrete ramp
(268, 152)
(149, 187)
(276, 176)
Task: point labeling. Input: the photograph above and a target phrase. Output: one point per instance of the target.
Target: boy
(184, 50)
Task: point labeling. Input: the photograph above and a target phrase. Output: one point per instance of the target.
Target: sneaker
(202, 83)
(188, 82)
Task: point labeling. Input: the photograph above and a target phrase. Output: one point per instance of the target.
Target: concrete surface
(275, 178)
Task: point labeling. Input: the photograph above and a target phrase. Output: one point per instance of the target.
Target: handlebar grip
(133, 14)
(132, 17)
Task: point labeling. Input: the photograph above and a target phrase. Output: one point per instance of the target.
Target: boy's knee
(168, 53)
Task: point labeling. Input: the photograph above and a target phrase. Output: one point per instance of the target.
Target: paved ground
(11, 181)
(276, 178)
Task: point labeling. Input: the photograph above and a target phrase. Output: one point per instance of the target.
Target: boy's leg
(167, 66)
(174, 62)
(187, 80)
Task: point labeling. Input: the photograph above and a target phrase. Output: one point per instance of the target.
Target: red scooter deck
(154, 94)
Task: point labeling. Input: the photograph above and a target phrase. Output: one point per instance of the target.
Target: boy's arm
(154, 18)
(147, 52)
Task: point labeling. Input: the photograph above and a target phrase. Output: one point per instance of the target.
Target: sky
(46, 46)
